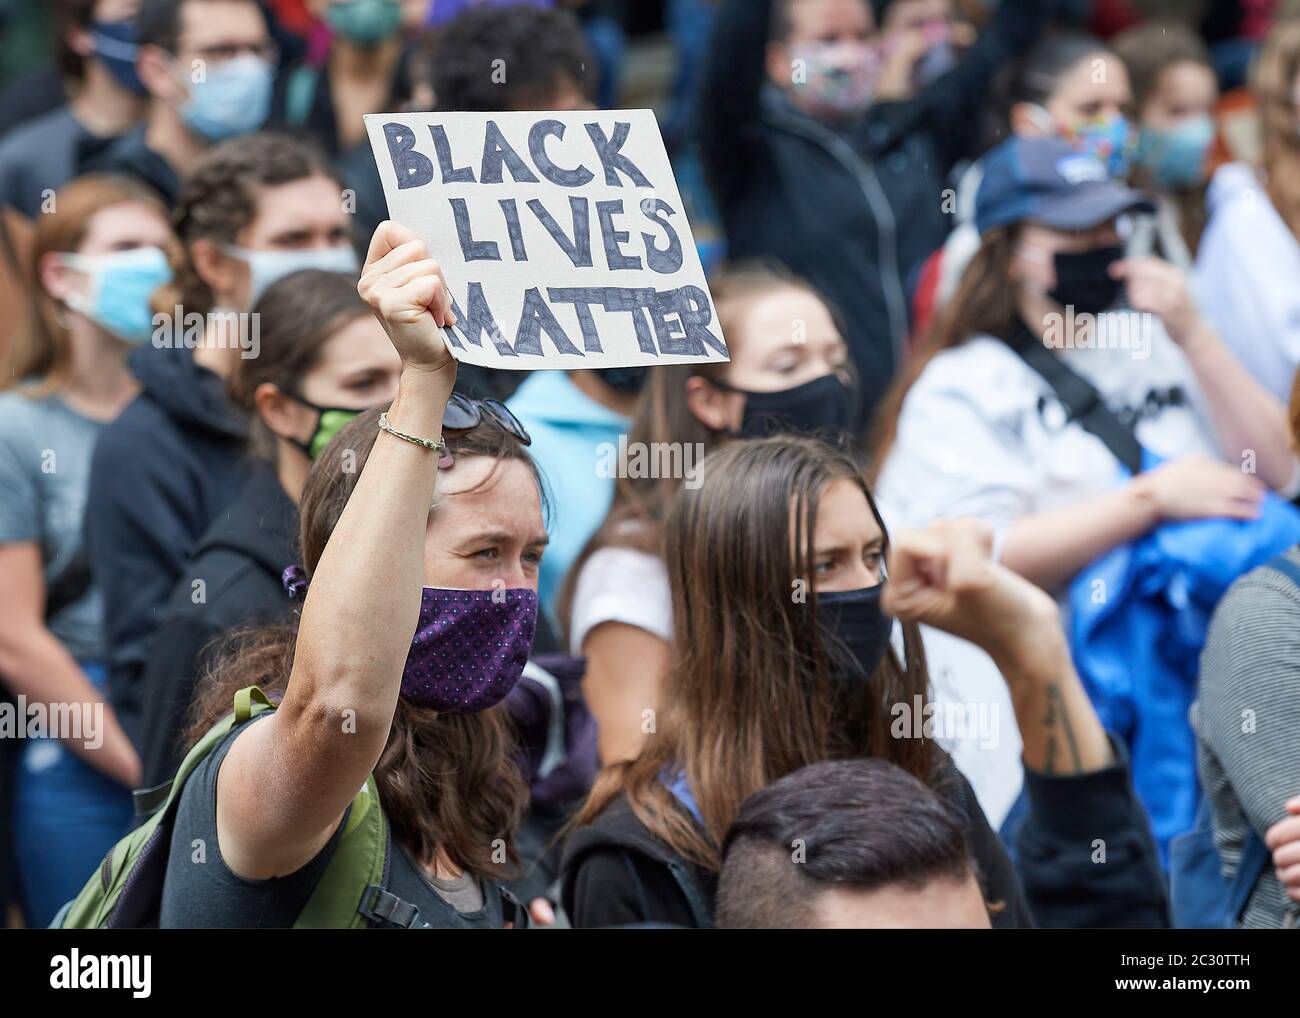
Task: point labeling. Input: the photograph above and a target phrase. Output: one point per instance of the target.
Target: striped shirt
(1248, 724)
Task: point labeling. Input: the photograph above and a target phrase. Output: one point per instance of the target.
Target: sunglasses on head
(464, 414)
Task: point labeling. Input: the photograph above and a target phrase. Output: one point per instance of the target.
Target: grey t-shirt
(40, 156)
(45, 450)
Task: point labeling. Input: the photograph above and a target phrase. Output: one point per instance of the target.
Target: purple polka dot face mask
(470, 648)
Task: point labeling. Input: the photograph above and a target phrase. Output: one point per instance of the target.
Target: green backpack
(125, 892)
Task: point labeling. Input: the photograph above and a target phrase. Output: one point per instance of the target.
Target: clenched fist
(405, 289)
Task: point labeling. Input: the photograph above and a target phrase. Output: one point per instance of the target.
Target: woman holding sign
(419, 544)
(783, 658)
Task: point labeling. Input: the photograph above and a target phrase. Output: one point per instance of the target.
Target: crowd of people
(962, 599)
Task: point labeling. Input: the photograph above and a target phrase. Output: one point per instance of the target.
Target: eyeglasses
(464, 413)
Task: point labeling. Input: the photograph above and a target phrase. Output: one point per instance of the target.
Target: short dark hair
(158, 22)
(219, 198)
(781, 22)
(538, 49)
(70, 15)
(856, 824)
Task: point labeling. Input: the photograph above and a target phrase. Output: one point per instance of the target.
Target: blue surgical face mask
(115, 48)
(1176, 158)
(268, 267)
(121, 285)
(234, 99)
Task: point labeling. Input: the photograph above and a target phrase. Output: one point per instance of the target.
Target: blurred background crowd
(893, 198)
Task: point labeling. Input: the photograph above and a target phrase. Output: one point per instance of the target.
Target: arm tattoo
(1058, 717)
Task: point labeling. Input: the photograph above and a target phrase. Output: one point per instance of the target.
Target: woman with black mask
(783, 658)
(789, 373)
(1076, 401)
(974, 429)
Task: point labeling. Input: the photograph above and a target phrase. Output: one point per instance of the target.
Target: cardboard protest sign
(561, 235)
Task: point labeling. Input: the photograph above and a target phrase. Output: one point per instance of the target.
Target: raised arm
(730, 87)
(953, 102)
(1083, 811)
(286, 782)
(1249, 421)
(944, 576)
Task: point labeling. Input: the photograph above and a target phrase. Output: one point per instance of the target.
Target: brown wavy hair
(749, 696)
(447, 782)
(220, 197)
(41, 350)
(1272, 81)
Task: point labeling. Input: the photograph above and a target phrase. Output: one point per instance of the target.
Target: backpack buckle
(379, 906)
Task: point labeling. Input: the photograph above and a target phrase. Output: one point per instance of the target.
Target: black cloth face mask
(1083, 280)
(624, 380)
(855, 631)
(825, 406)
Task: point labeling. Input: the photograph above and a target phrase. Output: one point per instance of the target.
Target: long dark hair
(447, 782)
(749, 698)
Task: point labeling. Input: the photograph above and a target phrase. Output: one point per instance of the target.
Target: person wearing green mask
(1174, 94)
(367, 69)
(323, 359)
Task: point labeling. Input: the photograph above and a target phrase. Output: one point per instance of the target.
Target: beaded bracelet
(439, 446)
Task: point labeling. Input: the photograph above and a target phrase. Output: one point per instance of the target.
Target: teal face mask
(364, 22)
(1176, 158)
(121, 285)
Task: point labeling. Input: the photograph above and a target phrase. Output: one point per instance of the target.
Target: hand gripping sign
(561, 235)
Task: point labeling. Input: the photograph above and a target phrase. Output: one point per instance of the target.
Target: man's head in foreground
(848, 844)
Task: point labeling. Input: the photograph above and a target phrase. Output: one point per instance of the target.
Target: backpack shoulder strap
(248, 703)
(110, 888)
(1080, 398)
(358, 868)
(1254, 857)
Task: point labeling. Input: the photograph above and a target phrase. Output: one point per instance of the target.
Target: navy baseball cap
(1050, 182)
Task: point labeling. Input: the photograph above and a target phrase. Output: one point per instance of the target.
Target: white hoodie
(1248, 274)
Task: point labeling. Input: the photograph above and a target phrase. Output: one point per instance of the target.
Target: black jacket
(129, 156)
(239, 561)
(853, 208)
(162, 472)
(617, 873)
